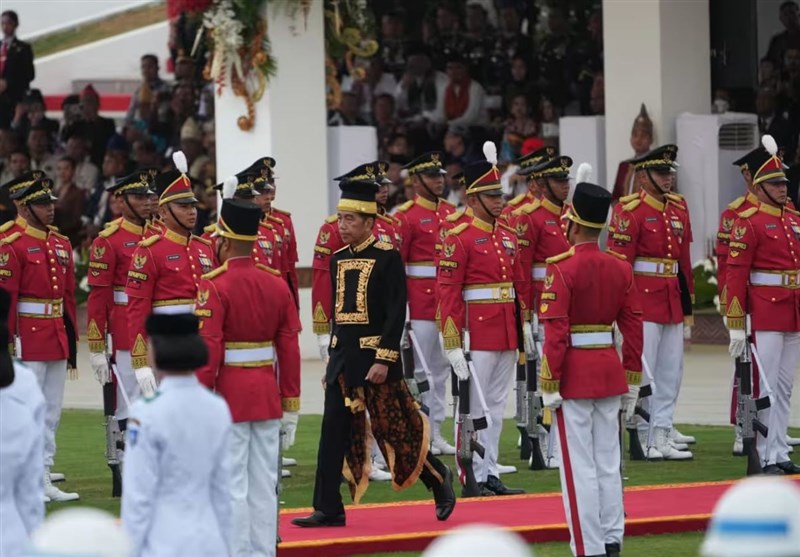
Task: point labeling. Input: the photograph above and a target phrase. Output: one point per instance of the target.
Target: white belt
(500, 293)
(421, 271)
(591, 339)
(538, 273)
(174, 309)
(248, 355)
(120, 297)
(785, 278)
(39, 308)
(655, 267)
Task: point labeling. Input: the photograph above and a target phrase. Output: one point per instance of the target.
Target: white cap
(757, 516)
(478, 540)
(81, 532)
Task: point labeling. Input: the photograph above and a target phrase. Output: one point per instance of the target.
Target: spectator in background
(768, 74)
(520, 82)
(181, 107)
(148, 90)
(789, 96)
(192, 146)
(462, 100)
(374, 83)
(457, 145)
(19, 162)
(447, 34)
(588, 56)
(349, 113)
(41, 157)
(394, 43)
(30, 112)
(97, 128)
(9, 141)
(549, 123)
(774, 121)
(72, 116)
(456, 191)
(144, 154)
(789, 38)
(70, 203)
(597, 95)
(554, 58)
(383, 119)
(77, 148)
(641, 141)
(16, 67)
(518, 127)
(98, 207)
(418, 90)
(399, 146)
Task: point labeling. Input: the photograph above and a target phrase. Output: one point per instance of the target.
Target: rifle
(533, 406)
(454, 392)
(467, 441)
(522, 410)
(636, 450)
(747, 408)
(114, 442)
(417, 386)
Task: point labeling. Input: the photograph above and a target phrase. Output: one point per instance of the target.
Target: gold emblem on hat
(564, 162)
(551, 151)
(435, 157)
(370, 169)
(139, 261)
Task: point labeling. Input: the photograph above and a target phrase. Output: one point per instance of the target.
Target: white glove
(146, 380)
(527, 336)
(324, 342)
(288, 429)
(459, 362)
(628, 403)
(552, 400)
(738, 343)
(99, 365)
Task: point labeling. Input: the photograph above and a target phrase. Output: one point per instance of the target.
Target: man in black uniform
(364, 373)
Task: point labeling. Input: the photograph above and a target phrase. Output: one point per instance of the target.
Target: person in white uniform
(176, 496)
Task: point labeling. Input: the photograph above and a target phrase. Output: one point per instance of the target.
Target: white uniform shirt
(176, 498)
(21, 463)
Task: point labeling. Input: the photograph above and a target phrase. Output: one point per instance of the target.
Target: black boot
(612, 550)
(443, 495)
(318, 519)
(497, 487)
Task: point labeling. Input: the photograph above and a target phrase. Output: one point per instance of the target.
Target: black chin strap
(653, 182)
(769, 196)
(553, 196)
(488, 212)
(427, 189)
(217, 249)
(36, 217)
(171, 212)
(139, 217)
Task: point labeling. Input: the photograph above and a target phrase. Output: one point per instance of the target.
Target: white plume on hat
(180, 162)
(490, 152)
(584, 173)
(229, 187)
(769, 144)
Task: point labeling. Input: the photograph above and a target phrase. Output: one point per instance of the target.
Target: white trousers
(427, 336)
(494, 372)
(663, 350)
(779, 354)
(254, 486)
(51, 376)
(128, 383)
(591, 486)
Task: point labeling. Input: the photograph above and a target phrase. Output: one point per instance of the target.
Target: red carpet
(411, 526)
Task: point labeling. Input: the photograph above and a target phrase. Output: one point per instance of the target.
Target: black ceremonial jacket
(369, 311)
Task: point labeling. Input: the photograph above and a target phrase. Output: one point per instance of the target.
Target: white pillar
(291, 127)
(656, 52)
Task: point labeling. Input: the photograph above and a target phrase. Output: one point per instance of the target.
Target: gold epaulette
(385, 246)
(274, 219)
(331, 219)
(677, 200)
(628, 198)
(529, 208)
(561, 256)
(147, 242)
(109, 230)
(446, 202)
(266, 225)
(617, 255)
(56, 232)
(281, 211)
(517, 200)
(406, 206)
(211, 228)
(265, 268)
(200, 239)
(632, 205)
(459, 229)
(4, 228)
(117, 220)
(747, 213)
(792, 211)
(11, 238)
(455, 216)
(736, 203)
(503, 225)
(216, 272)
(385, 218)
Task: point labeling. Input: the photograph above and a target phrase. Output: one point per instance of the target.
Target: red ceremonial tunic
(585, 292)
(763, 275)
(726, 220)
(244, 345)
(514, 204)
(16, 225)
(476, 286)
(288, 247)
(163, 278)
(37, 271)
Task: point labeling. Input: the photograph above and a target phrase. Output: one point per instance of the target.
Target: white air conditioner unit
(584, 139)
(707, 146)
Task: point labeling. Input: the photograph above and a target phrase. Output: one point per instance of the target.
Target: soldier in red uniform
(243, 347)
(107, 306)
(654, 233)
(387, 225)
(526, 164)
(14, 187)
(421, 231)
(37, 270)
(762, 282)
(461, 215)
(582, 377)
(166, 268)
(747, 164)
(476, 293)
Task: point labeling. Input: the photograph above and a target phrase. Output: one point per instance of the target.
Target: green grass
(97, 30)
(81, 457)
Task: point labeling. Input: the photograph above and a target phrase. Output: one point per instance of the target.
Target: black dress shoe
(494, 485)
(789, 467)
(772, 470)
(444, 496)
(612, 550)
(318, 519)
(482, 492)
